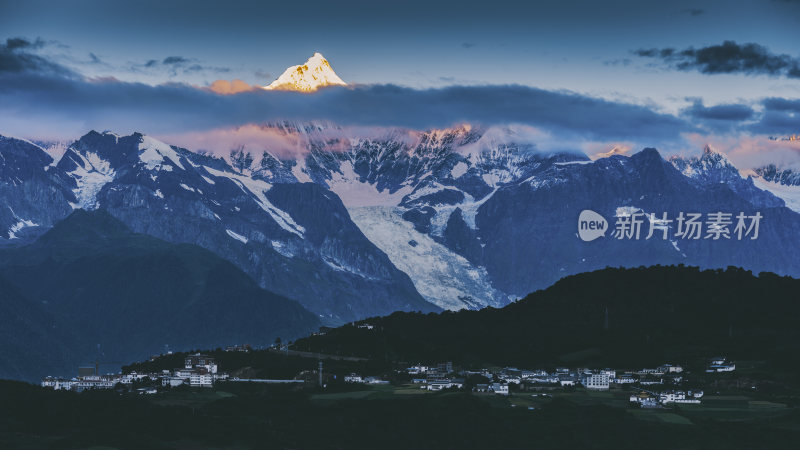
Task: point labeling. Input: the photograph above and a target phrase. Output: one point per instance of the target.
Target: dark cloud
(625, 62)
(719, 117)
(694, 12)
(169, 108)
(175, 65)
(16, 57)
(175, 60)
(468, 44)
(728, 57)
(779, 116)
(732, 112)
(22, 43)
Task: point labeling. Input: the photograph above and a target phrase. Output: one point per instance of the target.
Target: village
(650, 387)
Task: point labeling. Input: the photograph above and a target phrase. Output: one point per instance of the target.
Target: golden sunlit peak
(314, 74)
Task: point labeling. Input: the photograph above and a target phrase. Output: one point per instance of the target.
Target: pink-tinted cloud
(226, 87)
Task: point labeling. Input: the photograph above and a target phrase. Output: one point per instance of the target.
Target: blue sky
(577, 45)
(585, 47)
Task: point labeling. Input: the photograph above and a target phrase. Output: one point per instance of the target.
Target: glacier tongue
(789, 194)
(443, 277)
(91, 174)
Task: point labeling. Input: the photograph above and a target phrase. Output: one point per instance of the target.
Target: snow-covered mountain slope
(490, 197)
(440, 275)
(314, 74)
(35, 194)
(787, 176)
(713, 167)
(455, 186)
(294, 239)
(783, 182)
(429, 177)
(493, 217)
(529, 228)
(789, 193)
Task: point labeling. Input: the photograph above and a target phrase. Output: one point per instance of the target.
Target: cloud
(177, 65)
(728, 57)
(769, 116)
(468, 45)
(598, 150)
(39, 98)
(173, 60)
(624, 62)
(173, 108)
(720, 117)
(16, 56)
(226, 87)
(22, 43)
(694, 12)
(45, 98)
(779, 116)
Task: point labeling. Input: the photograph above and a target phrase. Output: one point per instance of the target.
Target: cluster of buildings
(198, 371)
(647, 399)
(720, 364)
(441, 377)
(355, 378)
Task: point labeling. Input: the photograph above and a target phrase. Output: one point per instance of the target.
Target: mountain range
(357, 225)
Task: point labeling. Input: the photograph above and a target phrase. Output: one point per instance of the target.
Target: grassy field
(244, 415)
(194, 398)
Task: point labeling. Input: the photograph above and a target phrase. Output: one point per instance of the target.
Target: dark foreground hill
(619, 317)
(90, 289)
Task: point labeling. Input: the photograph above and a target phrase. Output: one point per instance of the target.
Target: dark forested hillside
(608, 317)
(90, 289)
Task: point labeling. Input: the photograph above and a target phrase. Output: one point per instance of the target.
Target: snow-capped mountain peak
(314, 74)
(152, 153)
(712, 164)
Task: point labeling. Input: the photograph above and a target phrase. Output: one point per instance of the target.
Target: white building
(644, 400)
(720, 364)
(353, 378)
(597, 381)
(375, 380)
(625, 378)
(444, 384)
(172, 381)
(611, 373)
(667, 397)
(669, 368)
(198, 361)
(499, 388)
(201, 378)
(416, 370)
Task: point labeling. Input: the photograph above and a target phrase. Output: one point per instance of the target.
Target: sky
(678, 72)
